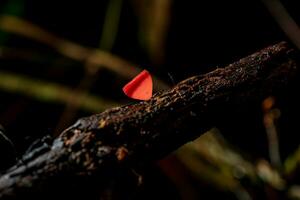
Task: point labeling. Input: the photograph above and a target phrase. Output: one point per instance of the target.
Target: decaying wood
(142, 132)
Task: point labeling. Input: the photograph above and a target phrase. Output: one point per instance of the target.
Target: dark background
(201, 36)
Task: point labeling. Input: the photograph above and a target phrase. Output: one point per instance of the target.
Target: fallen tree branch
(138, 133)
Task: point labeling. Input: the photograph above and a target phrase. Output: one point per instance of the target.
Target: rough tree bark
(145, 131)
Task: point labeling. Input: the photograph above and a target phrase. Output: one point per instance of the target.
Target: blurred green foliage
(63, 60)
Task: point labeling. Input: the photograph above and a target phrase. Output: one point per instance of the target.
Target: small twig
(51, 92)
(270, 115)
(73, 50)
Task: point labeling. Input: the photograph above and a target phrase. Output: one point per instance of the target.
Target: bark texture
(142, 132)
